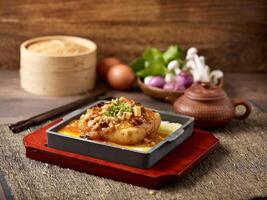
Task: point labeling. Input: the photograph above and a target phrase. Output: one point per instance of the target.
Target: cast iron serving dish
(117, 154)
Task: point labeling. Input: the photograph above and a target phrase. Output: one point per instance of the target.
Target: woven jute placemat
(235, 170)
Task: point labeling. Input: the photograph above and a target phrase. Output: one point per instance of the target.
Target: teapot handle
(238, 101)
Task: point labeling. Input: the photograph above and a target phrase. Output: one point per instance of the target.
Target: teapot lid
(205, 91)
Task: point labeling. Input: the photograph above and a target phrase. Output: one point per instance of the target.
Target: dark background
(231, 34)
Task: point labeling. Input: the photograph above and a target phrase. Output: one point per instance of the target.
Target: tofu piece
(134, 134)
(137, 111)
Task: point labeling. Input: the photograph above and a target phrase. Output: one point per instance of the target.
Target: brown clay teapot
(209, 105)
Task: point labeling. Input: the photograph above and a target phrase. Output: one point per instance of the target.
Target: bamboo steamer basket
(58, 75)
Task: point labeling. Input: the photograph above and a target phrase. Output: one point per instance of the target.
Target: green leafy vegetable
(153, 70)
(138, 64)
(153, 55)
(172, 53)
(153, 62)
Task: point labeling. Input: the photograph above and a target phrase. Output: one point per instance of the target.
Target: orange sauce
(73, 130)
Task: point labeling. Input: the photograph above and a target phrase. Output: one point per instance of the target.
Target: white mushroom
(198, 63)
(191, 52)
(147, 79)
(173, 65)
(198, 68)
(215, 75)
(193, 69)
(202, 60)
(205, 70)
(192, 56)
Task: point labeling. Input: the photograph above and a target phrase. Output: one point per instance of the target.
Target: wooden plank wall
(232, 34)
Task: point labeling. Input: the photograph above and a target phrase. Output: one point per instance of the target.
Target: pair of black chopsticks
(56, 112)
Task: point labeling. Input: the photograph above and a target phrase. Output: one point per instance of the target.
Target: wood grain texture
(231, 34)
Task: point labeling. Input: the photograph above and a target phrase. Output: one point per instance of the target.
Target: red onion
(184, 78)
(173, 86)
(156, 81)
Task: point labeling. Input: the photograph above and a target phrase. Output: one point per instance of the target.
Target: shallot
(173, 86)
(184, 78)
(156, 81)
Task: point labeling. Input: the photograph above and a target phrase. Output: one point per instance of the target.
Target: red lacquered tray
(169, 169)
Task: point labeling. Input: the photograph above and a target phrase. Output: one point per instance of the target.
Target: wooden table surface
(16, 104)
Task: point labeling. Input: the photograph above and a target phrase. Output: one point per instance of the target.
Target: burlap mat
(235, 170)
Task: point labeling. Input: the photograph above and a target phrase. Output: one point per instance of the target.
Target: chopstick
(56, 112)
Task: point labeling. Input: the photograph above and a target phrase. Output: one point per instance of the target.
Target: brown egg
(121, 77)
(105, 65)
